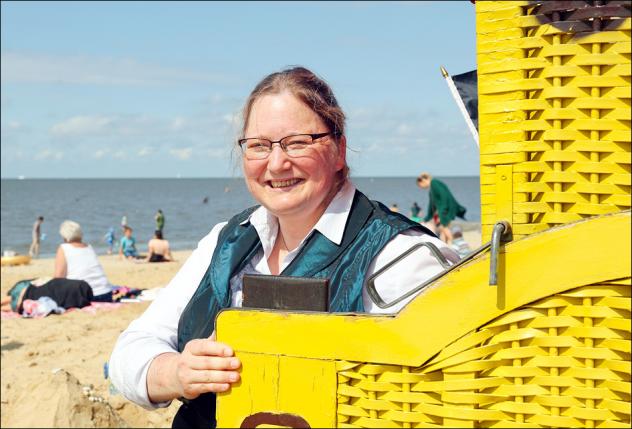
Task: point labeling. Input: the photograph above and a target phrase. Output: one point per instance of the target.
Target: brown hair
(311, 90)
(424, 176)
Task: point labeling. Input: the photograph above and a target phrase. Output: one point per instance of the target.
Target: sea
(191, 206)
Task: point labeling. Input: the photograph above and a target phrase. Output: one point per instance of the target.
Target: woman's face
(292, 187)
(423, 183)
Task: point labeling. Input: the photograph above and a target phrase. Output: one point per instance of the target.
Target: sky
(155, 89)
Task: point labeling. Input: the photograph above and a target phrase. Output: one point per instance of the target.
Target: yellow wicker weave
(554, 113)
(562, 361)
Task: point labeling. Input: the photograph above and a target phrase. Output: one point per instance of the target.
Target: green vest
(370, 226)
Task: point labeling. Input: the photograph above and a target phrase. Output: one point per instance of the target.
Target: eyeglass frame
(316, 136)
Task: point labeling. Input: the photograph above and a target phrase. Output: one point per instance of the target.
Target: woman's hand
(204, 365)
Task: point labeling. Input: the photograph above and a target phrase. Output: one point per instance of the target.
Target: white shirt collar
(331, 224)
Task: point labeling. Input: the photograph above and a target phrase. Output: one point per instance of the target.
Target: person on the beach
(36, 235)
(311, 222)
(160, 220)
(127, 246)
(414, 212)
(78, 261)
(394, 208)
(109, 239)
(158, 249)
(442, 206)
(66, 293)
(123, 222)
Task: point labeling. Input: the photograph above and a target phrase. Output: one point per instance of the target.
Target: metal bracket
(503, 235)
(500, 234)
(374, 294)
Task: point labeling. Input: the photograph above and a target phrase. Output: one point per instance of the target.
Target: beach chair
(532, 333)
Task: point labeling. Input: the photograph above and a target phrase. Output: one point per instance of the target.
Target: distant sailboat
(20, 177)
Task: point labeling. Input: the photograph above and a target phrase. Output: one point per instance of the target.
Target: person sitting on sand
(311, 222)
(66, 293)
(128, 244)
(158, 249)
(77, 260)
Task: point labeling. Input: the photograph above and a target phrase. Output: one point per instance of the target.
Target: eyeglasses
(295, 146)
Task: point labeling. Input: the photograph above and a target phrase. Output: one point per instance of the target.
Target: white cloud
(41, 68)
(182, 154)
(100, 153)
(410, 136)
(201, 127)
(404, 129)
(81, 126)
(134, 137)
(178, 123)
(48, 154)
(12, 128)
(145, 151)
(217, 153)
(110, 126)
(229, 118)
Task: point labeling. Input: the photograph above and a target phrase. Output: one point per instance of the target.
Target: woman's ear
(341, 159)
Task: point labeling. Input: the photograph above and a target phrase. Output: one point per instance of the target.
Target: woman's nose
(278, 160)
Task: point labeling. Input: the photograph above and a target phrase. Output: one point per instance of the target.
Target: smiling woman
(311, 222)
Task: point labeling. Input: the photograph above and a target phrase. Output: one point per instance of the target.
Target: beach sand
(52, 368)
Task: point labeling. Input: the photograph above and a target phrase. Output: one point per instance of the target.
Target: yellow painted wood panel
(281, 385)
(315, 382)
(258, 371)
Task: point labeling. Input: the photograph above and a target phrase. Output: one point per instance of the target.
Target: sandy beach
(52, 368)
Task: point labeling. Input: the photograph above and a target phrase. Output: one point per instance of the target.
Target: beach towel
(122, 292)
(90, 309)
(94, 306)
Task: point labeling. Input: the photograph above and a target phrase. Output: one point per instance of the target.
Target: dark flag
(467, 85)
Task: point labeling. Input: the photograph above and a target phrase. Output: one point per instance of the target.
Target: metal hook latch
(500, 234)
(372, 289)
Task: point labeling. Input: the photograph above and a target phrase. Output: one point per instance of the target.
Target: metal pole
(459, 102)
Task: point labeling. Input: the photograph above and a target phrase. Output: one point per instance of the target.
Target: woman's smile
(284, 184)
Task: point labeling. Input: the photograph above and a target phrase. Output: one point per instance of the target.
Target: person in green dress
(442, 206)
(160, 220)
